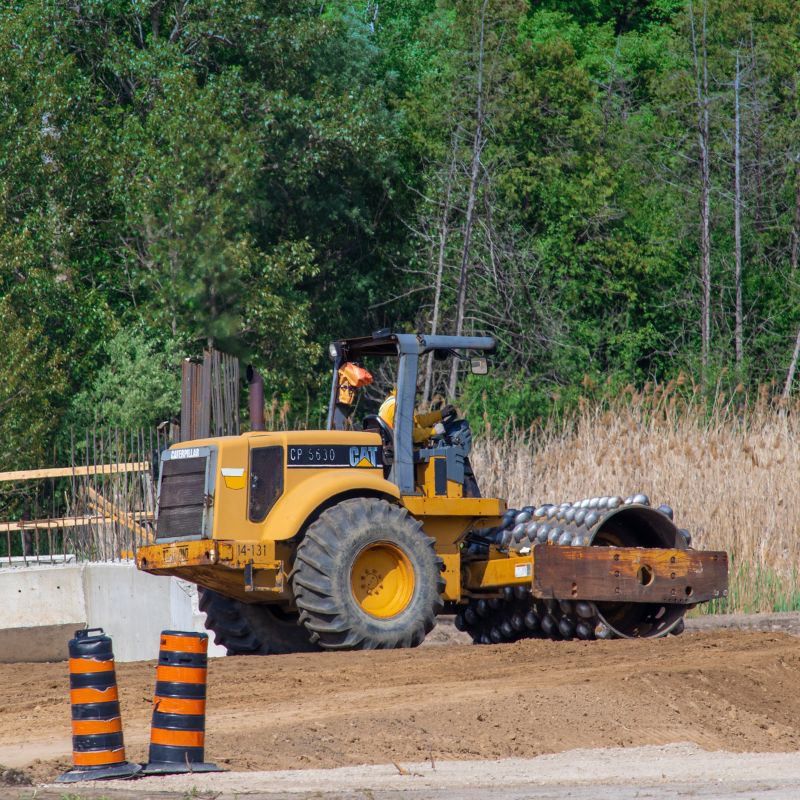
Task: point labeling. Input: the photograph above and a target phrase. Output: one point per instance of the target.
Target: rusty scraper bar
(614, 574)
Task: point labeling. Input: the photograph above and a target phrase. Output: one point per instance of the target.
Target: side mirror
(478, 366)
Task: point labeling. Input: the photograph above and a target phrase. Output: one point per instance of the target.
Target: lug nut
(542, 534)
(531, 621)
(548, 625)
(602, 631)
(585, 609)
(666, 510)
(566, 627)
(584, 631)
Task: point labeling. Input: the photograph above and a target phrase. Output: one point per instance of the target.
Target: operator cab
(439, 467)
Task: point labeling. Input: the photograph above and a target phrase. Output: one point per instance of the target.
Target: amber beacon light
(177, 736)
(97, 748)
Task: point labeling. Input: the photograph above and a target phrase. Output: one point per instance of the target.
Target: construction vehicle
(341, 539)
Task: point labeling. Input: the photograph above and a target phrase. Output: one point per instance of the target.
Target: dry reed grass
(730, 473)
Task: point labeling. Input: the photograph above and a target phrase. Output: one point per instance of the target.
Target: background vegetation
(610, 187)
(729, 475)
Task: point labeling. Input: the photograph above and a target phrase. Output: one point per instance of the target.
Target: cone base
(116, 771)
(167, 768)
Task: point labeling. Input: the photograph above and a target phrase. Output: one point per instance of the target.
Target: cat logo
(364, 456)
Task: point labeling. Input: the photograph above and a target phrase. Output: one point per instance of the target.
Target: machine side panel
(320, 485)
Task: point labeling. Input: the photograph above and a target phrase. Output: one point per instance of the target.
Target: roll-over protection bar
(408, 347)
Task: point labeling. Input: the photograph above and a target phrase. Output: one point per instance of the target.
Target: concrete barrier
(42, 606)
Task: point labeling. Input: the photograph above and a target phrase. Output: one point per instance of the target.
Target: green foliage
(137, 386)
(265, 177)
(33, 379)
(754, 587)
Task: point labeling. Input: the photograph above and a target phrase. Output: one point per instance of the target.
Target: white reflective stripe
(522, 570)
(192, 452)
(232, 472)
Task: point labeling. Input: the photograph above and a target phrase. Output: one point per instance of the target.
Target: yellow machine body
(251, 561)
(290, 520)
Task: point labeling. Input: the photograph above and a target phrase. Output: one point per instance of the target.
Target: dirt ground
(731, 690)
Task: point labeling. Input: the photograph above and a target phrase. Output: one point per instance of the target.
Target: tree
(700, 57)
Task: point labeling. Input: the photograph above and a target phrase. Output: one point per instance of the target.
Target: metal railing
(99, 507)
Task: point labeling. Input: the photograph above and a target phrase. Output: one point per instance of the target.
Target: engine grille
(182, 498)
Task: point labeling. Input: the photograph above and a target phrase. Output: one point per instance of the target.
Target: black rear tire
(248, 629)
(327, 557)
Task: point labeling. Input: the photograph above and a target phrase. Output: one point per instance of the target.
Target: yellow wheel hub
(382, 580)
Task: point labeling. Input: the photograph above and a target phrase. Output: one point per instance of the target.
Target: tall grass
(729, 471)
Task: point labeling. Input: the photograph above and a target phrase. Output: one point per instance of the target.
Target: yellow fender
(294, 508)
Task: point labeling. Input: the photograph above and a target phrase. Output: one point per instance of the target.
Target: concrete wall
(42, 607)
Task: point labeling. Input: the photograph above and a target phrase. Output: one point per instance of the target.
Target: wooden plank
(629, 574)
(57, 523)
(77, 471)
(54, 524)
(125, 518)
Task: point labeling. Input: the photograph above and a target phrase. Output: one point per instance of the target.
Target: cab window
(266, 480)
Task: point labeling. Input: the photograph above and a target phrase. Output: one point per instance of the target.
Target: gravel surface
(670, 771)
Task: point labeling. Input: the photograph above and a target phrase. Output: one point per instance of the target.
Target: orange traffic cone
(177, 736)
(97, 747)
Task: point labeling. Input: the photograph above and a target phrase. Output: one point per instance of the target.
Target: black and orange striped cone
(177, 736)
(97, 747)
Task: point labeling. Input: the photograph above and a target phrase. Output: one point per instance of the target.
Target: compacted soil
(731, 690)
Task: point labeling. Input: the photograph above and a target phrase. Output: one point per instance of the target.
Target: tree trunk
(477, 147)
(444, 230)
(737, 219)
(759, 202)
(703, 136)
(795, 252)
(787, 388)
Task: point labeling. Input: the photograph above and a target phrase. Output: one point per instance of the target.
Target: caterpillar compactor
(357, 539)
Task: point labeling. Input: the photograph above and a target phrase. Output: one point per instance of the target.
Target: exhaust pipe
(256, 399)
